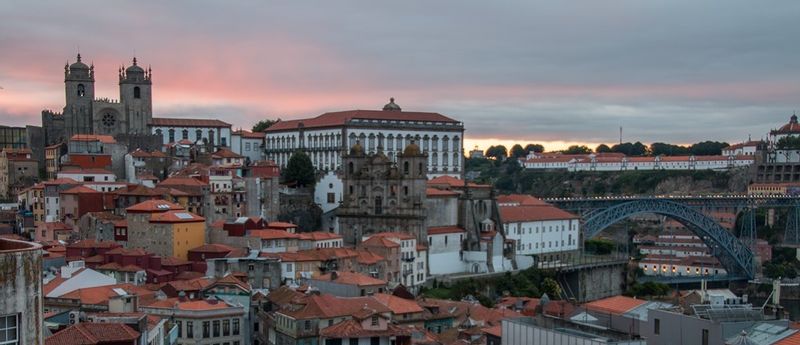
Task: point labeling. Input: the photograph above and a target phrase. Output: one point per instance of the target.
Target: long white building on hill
(620, 162)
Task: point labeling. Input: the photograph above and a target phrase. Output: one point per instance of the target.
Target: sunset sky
(556, 72)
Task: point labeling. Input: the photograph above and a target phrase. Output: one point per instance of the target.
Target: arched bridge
(732, 253)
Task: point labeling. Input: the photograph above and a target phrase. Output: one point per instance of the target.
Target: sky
(555, 72)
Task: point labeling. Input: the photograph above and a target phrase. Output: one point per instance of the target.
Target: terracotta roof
(96, 171)
(281, 225)
(434, 192)
(614, 305)
(328, 306)
(496, 331)
(533, 213)
(176, 216)
(250, 135)
(105, 139)
(319, 236)
(213, 248)
(521, 199)
(340, 118)
(445, 230)
(101, 294)
(197, 305)
(366, 257)
(793, 339)
(789, 128)
(181, 122)
(94, 244)
(377, 241)
(225, 153)
(87, 333)
(398, 305)
(60, 181)
(56, 226)
(196, 284)
(351, 278)
(353, 329)
(80, 190)
(271, 234)
(153, 206)
(453, 182)
(173, 261)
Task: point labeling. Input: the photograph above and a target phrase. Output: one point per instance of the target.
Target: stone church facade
(381, 195)
(83, 113)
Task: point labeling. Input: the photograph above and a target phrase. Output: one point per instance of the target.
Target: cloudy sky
(552, 72)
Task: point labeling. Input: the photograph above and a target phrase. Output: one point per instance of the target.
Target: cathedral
(381, 195)
(85, 114)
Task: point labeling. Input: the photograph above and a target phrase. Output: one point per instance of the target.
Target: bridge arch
(732, 253)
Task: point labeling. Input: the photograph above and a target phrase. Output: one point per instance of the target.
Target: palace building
(327, 137)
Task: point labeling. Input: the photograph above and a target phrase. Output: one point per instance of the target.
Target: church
(84, 114)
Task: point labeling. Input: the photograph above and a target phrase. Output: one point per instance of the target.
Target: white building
(248, 144)
(172, 130)
(325, 137)
(319, 239)
(444, 249)
(88, 175)
(747, 148)
(620, 162)
(538, 228)
(413, 257)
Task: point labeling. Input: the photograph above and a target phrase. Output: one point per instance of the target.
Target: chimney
(182, 296)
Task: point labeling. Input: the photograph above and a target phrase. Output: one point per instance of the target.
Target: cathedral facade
(381, 195)
(83, 113)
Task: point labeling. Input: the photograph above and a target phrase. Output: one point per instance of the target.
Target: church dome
(412, 150)
(790, 128)
(78, 65)
(357, 149)
(134, 68)
(391, 106)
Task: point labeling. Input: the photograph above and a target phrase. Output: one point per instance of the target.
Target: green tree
(262, 125)
(517, 151)
(658, 149)
(602, 148)
(577, 149)
(551, 288)
(299, 170)
(538, 148)
(497, 152)
(630, 149)
(790, 142)
(708, 148)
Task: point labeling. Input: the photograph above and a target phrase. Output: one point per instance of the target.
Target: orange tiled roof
(101, 294)
(341, 117)
(521, 199)
(615, 305)
(318, 236)
(434, 192)
(181, 122)
(445, 230)
(80, 190)
(271, 234)
(281, 225)
(377, 241)
(398, 305)
(353, 329)
(87, 333)
(176, 216)
(153, 206)
(400, 235)
(105, 139)
(182, 181)
(213, 248)
(533, 213)
(793, 339)
(226, 153)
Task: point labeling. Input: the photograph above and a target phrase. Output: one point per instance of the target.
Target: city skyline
(680, 72)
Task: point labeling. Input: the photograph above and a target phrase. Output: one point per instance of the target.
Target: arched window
(137, 93)
(350, 167)
(211, 137)
(405, 168)
(171, 135)
(198, 134)
(420, 172)
(185, 134)
(159, 132)
(81, 90)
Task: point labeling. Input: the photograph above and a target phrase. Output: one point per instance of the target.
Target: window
(81, 90)
(307, 325)
(657, 323)
(171, 135)
(374, 320)
(9, 329)
(206, 329)
(189, 329)
(353, 341)
(375, 341)
(185, 134)
(180, 328)
(235, 326)
(216, 328)
(705, 337)
(137, 93)
(331, 198)
(198, 134)
(226, 328)
(223, 142)
(378, 205)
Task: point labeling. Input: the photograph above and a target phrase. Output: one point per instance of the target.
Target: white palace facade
(620, 162)
(325, 137)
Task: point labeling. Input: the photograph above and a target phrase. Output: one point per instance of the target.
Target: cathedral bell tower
(135, 94)
(79, 87)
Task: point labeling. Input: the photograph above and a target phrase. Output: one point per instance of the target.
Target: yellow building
(164, 228)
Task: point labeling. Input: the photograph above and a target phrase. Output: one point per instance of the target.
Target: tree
(497, 152)
(299, 170)
(659, 149)
(630, 149)
(538, 148)
(791, 142)
(577, 149)
(602, 148)
(551, 288)
(262, 125)
(708, 148)
(517, 151)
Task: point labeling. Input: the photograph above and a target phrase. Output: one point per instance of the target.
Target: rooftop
(182, 122)
(88, 333)
(339, 118)
(351, 278)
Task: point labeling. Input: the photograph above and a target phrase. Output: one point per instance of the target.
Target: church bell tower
(79, 87)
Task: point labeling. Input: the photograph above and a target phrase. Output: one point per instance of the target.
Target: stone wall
(21, 288)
